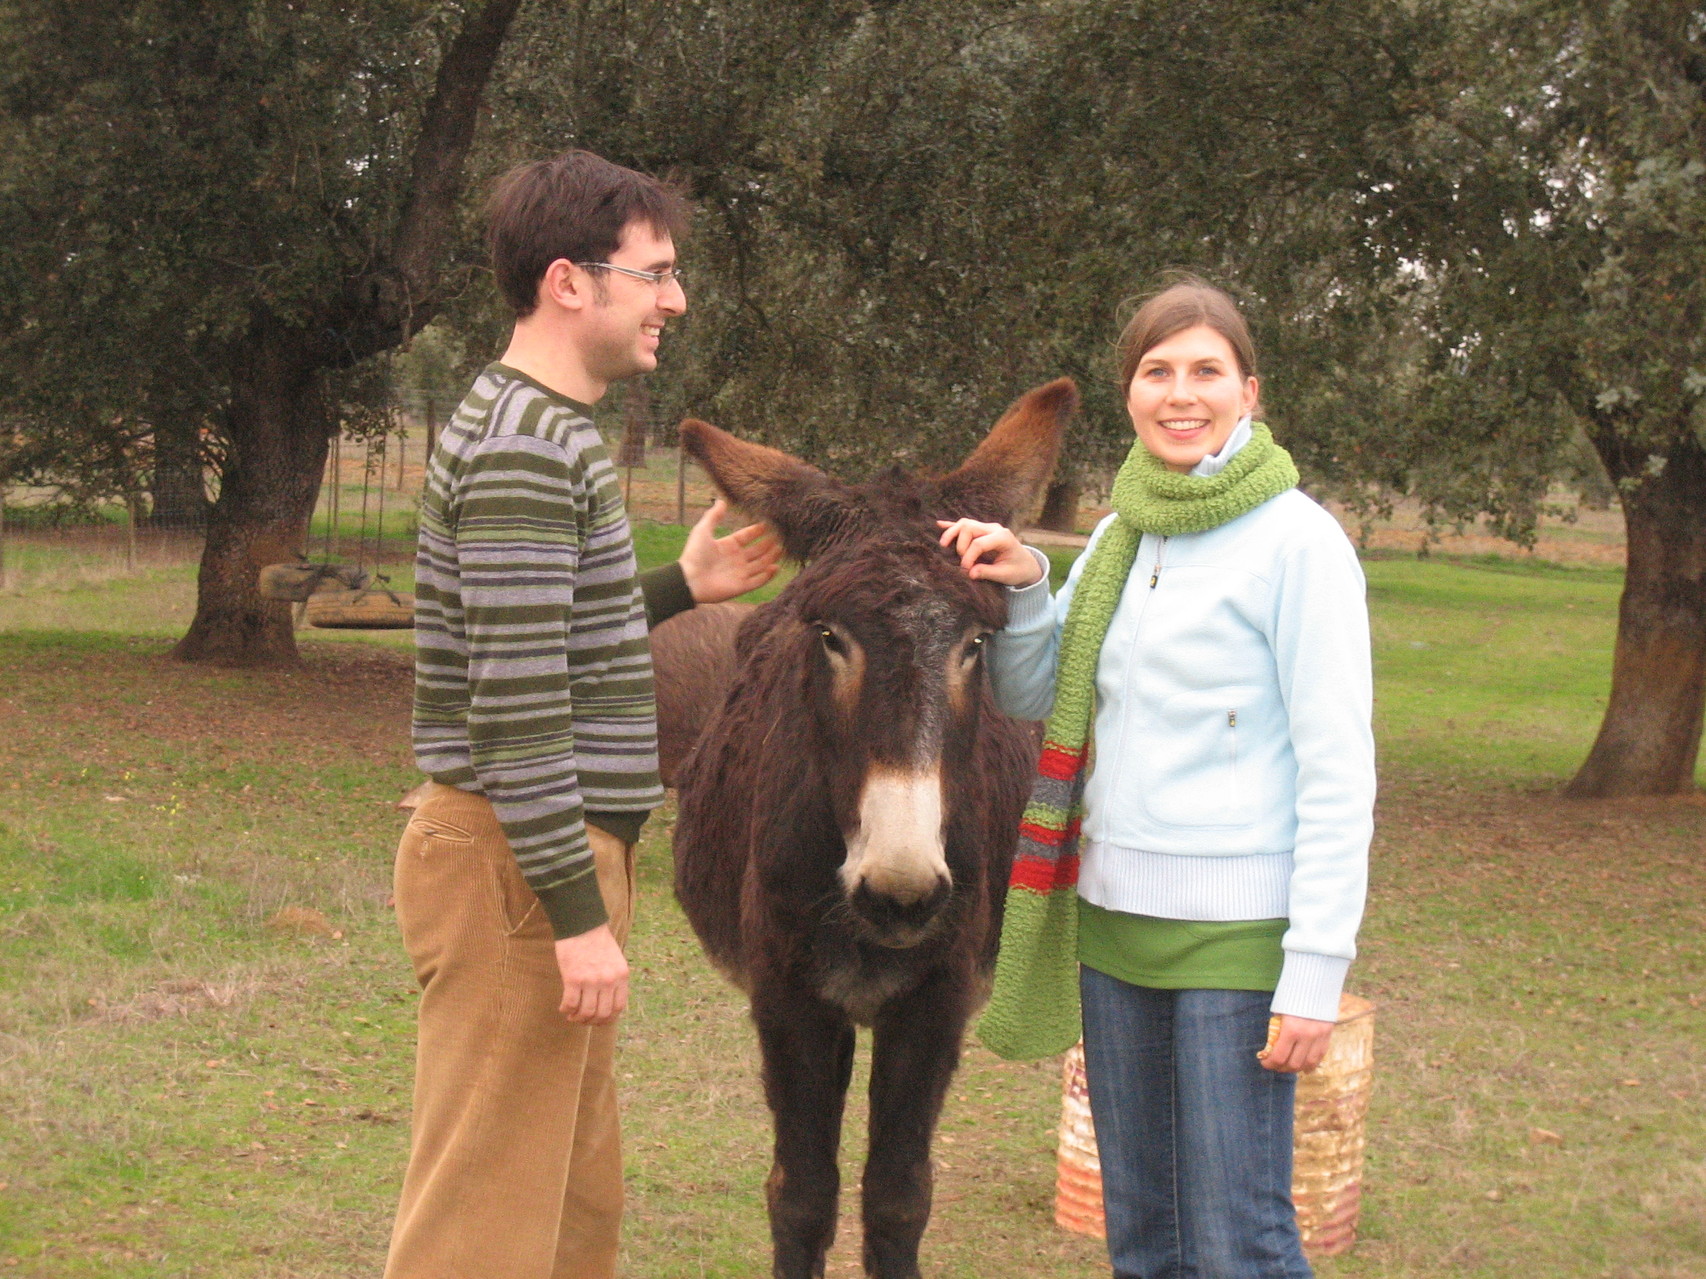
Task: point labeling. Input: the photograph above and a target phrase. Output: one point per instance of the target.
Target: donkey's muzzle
(898, 920)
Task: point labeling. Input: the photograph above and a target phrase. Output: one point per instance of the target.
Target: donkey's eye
(975, 647)
(832, 641)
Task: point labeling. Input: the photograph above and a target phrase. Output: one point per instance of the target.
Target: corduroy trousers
(515, 1164)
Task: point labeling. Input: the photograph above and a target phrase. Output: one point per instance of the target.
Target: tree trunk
(279, 428)
(178, 491)
(1649, 741)
(278, 420)
(1060, 506)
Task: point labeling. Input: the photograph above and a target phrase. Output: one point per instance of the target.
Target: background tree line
(1469, 234)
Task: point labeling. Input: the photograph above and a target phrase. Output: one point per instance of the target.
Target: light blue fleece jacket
(1232, 766)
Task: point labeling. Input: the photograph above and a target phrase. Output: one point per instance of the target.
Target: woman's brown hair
(1188, 302)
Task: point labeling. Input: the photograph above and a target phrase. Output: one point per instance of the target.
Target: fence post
(636, 406)
(681, 485)
(2, 537)
(130, 532)
(431, 430)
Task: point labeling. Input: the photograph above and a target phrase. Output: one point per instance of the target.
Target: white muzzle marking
(897, 850)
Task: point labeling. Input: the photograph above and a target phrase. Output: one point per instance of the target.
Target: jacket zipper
(1232, 724)
(1155, 574)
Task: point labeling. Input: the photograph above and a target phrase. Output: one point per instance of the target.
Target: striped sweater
(533, 677)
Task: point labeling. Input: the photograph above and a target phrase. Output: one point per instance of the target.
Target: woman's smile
(1187, 396)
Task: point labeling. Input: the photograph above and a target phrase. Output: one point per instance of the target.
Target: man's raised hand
(720, 568)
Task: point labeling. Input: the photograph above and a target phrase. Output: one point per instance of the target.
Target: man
(535, 719)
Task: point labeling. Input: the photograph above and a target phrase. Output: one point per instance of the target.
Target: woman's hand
(1298, 1044)
(990, 552)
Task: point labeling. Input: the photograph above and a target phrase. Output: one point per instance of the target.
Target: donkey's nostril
(892, 920)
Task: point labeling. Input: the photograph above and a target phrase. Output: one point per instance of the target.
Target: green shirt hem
(625, 826)
(1181, 954)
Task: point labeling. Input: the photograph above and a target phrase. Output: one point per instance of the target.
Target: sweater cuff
(575, 906)
(625, 826)
(1310, 985)
(1030, 606)
(666, 593)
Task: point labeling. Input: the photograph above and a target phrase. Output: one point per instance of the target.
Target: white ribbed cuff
(1030, 606)
(1310, 985)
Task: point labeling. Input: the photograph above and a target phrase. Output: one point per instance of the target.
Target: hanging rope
(334, 460)
(366, 483)
(384, 445)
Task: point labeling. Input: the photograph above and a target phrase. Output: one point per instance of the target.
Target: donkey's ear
(807, 509)
(1005, 473)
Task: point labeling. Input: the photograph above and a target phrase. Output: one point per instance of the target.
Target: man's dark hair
(574, 206)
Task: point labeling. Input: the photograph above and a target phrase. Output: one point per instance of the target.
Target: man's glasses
(657, 279)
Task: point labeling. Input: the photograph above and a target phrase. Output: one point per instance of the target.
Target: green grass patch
(72, 868)
(188, 1089)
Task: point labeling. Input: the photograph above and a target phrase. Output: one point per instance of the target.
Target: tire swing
(342, 596)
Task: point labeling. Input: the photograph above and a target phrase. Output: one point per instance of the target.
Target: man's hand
(595, 977)
(720, 568)
(1299, 1044)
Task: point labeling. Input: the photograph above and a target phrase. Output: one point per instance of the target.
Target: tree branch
(404, 300)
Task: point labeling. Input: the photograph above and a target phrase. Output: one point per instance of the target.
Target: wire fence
(366, 512)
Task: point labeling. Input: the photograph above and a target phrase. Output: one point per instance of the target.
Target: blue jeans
(1195, 1137)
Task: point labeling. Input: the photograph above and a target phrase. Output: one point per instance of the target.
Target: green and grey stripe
(533, 677)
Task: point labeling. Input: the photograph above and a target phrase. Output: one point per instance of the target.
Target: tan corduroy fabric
(516, 1164)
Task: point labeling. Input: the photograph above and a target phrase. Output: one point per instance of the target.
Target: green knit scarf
(1033, 1010)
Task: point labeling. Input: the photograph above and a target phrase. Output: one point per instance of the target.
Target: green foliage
(1550, 230)
(908, 213)
(434, 371)
(911, 212)
(924, 209)
(175, 175)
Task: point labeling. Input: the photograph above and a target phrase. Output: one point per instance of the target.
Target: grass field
(206, 1017)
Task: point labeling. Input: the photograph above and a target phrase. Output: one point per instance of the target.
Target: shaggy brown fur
(867, 667)
(693, 662)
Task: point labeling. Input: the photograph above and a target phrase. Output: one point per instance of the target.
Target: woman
(1207, 785)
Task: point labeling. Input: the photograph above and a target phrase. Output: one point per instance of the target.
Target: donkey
(848, 816)
(693, 659)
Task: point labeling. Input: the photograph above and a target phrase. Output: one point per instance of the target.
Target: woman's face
(1187, 395)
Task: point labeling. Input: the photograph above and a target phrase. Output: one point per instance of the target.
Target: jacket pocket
(1197, 773)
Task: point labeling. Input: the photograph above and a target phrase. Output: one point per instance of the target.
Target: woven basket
(1327, 1152)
